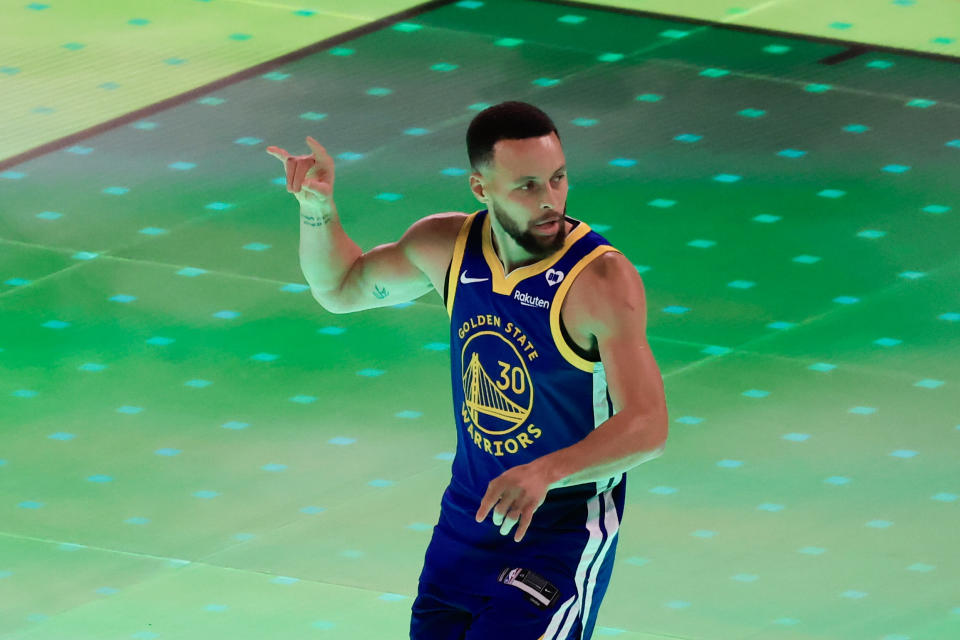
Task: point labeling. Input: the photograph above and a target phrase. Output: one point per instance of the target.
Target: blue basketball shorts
(479, 585)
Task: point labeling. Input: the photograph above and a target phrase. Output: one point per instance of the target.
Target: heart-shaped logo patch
(554, 277)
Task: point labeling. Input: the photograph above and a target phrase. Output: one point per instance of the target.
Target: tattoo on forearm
(380, 292)
(316, 221)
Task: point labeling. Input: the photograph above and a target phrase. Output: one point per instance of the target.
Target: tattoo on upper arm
(316, 221)
(380, 292)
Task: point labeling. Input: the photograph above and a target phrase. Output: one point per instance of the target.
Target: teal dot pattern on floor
(192, 445)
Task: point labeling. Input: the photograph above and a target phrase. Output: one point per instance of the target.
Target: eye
(557, 177)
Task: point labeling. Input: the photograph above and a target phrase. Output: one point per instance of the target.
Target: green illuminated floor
(190, 447)
(66, 68)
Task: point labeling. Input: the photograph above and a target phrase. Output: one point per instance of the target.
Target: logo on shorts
(538, 589)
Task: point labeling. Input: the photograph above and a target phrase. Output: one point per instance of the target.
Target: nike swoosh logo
(465, 280)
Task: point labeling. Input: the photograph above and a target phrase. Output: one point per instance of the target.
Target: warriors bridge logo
(497, 387)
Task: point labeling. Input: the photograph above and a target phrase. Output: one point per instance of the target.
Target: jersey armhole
(592, 356)
(446, 283)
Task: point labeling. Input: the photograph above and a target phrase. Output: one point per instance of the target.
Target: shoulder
(440, 226)
(435, 229)
(608, 287)
(611, 264)
(605, 275)
(429, 241)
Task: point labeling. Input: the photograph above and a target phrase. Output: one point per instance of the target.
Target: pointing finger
(278, 153)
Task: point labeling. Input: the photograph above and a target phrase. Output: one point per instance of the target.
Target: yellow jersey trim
(561, 344)
(458, 248)
(505, 284)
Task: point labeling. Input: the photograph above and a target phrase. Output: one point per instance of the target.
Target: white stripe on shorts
(590, 550)
(612, 524)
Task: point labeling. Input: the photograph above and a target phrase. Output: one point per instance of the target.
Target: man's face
(527, 184)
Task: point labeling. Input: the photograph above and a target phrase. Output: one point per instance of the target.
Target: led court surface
(190, 447)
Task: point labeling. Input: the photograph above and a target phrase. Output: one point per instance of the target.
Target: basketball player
(556, 393)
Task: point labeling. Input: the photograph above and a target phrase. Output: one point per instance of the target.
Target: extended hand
(309, 177)
(520, 491)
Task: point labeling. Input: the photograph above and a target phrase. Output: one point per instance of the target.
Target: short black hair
(511, 120)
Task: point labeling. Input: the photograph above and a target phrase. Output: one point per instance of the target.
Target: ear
(477, 188)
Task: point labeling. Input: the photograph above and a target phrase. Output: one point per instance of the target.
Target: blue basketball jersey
(521, 389)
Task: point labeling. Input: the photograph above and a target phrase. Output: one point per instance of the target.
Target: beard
(536, 245)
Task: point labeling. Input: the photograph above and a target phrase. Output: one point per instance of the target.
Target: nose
(552, 196)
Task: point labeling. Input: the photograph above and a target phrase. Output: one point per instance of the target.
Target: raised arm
(394, 272)
(341, 276)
